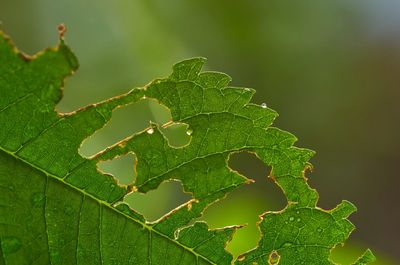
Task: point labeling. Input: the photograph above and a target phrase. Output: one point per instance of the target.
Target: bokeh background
(330, 68)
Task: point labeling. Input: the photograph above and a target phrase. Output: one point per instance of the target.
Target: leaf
(57, 208)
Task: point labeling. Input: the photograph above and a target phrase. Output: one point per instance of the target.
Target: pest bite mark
(274, 258)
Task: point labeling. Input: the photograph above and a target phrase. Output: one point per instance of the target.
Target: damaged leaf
(56, 207)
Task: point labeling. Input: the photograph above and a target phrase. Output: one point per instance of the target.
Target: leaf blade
(222, 121)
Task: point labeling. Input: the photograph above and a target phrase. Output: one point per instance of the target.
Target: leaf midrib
(150, 228)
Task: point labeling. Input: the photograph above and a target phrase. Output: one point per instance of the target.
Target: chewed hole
(244, 205)
(178, 134)
(156, 203)
(121, 167)
(132, 119)
(274, 258)
(347, 254)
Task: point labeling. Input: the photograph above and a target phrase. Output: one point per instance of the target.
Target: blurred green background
(330, 68)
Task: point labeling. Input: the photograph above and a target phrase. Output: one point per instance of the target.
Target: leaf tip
(343, 210)
(188, 69)
(366, 257)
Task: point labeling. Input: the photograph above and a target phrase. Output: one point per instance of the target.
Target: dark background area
(330, 69)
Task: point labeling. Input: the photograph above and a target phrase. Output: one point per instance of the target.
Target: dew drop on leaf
(264, 105)
(189, 132)
(150, 131)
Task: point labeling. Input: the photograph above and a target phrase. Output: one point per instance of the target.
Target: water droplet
(264, 105)
(189, 132)
(144, 97)
(274, 258)
(298, 219)
(150, 131)
(10, 244)
(291, 219)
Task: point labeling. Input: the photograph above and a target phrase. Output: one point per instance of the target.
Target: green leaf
(57, 208)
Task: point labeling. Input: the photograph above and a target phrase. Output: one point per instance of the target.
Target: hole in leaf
(121, 167)
(178, 134)
(244, 205)
(274, 258)
(156, 203)
(132, 119)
